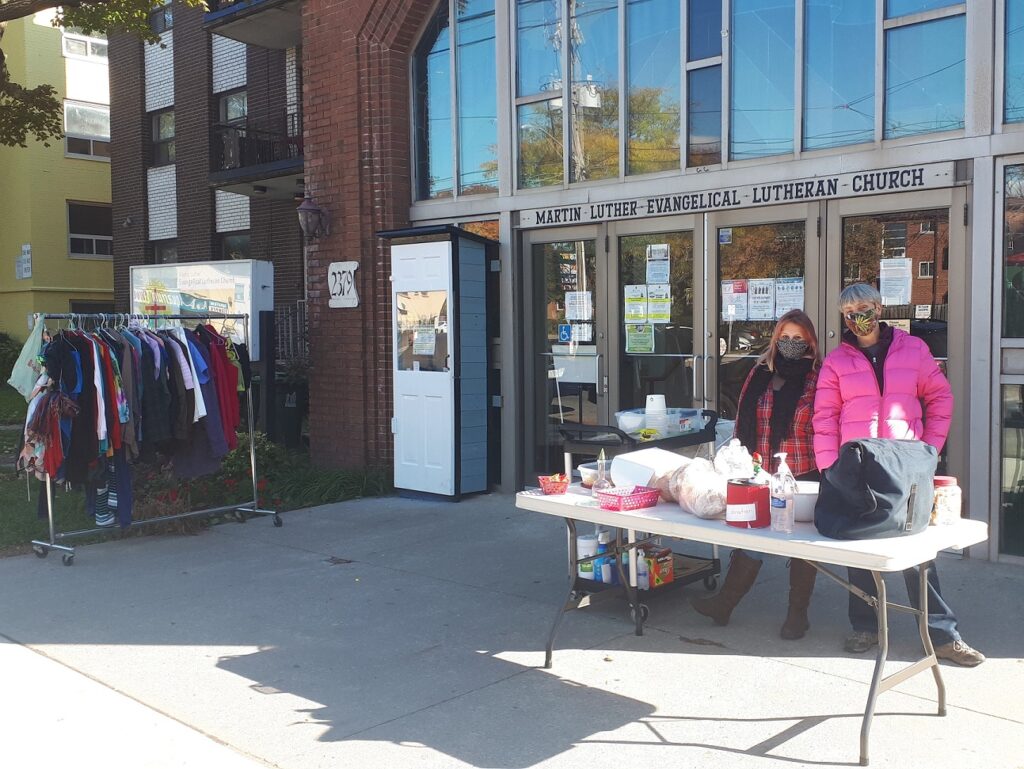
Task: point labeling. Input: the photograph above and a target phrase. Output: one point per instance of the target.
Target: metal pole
(876, 679)
(49, 509)
(249, 417)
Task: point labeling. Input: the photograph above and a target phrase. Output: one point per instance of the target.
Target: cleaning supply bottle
(783, 490)
(642, 574)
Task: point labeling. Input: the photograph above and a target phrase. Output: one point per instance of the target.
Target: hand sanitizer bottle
(783, 491)
(642, 575)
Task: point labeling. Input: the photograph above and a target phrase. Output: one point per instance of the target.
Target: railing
(291, 330)
(220, 5)
(241, 146)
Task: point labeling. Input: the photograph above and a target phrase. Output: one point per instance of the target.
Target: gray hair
(859, 292)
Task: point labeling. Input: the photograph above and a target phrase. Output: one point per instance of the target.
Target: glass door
(762, 263)
(566, 354)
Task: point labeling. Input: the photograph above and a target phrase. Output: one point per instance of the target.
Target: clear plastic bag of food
(734, 461)
(701, 490)
(663, 483)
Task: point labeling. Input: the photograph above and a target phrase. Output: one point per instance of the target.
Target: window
(894, 240)
(652, 79)
(839, 73)
(234, 245)
(539, 92)
(704, 83)
(161, 19)
(924, 68)
(926, 269)
(163, 137)
(457, 102)
(86, 129)
(927, 228)
(78, 45)
(165, 251)
(1013, 62)
(234, 107)
(90, 231)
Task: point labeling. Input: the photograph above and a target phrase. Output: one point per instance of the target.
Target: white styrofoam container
(639, 468)
(804, 500)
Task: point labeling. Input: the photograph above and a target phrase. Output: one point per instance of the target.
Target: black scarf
(794, 374)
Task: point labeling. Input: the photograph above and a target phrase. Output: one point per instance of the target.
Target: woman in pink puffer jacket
(881, 382)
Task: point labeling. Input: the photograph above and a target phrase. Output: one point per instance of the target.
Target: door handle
(831, 334)
(602, 379)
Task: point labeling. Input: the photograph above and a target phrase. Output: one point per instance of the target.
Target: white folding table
(877, 556)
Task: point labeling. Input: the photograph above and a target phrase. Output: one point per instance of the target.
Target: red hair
(803, 320)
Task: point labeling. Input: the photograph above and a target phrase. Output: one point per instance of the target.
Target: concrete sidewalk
(396, 633)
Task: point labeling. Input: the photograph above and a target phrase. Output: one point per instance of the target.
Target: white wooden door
(424, 390)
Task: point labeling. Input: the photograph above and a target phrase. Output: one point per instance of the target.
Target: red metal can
(747, 505)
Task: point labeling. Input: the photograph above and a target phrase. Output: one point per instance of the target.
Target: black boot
(801, 585)
(738, 580)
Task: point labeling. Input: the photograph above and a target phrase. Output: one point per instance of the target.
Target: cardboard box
(660, 568)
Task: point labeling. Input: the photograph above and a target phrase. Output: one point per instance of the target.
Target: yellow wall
(35, 184)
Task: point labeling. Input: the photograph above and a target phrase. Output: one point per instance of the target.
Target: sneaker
(960, 653)
(860, 642)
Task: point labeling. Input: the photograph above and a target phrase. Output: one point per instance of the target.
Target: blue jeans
(941, 620)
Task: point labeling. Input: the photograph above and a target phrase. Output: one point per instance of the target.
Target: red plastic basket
(628, 499)
(553, 486)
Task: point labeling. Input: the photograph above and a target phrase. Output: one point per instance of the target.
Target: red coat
(917, 403)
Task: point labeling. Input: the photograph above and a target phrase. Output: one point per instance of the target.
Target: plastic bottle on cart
(642, 575)
(783, 491)
(603, 482)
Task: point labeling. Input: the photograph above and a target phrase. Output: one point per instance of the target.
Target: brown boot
(801, 585)
(738, 580)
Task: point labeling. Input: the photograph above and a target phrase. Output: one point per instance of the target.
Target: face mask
(862, 323)
(792, 349)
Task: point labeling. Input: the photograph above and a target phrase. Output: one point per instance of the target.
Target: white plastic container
(630, 420)
(586, 546)
(804, 500)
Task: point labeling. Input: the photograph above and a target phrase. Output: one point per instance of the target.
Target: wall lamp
(314, 221)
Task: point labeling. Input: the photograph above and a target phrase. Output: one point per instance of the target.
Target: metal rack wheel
(710, 583)
(277, 521)
(68, 559)
(40, 551)
(644, 612)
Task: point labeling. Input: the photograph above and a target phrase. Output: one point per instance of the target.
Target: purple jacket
(917, 403)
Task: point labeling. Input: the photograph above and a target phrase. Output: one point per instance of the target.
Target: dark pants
(941, 620)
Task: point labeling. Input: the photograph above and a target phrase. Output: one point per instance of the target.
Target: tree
(36, 112)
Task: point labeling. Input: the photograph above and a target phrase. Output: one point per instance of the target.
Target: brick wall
(274, 236)
(128, 148)
(357, 148)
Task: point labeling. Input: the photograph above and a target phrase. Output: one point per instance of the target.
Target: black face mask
(792, 349)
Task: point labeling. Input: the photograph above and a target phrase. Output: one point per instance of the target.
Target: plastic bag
(702, 490)
(663, 483)
(734, 461)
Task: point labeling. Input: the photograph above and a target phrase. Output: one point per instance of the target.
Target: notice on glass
(567, 271)
(659, 303)
(639, 338)
(894, 279)
(658, 264)
(761, 301)
(635, 302)
(578, 305)
(922, 311)
(734, 300)
(424, 340)
(789, 295)
(581, 332)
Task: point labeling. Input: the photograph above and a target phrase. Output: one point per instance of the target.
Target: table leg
(881, 611)
(926, 639)
(628, 580)
(570, 533)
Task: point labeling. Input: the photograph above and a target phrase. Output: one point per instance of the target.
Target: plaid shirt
(798, 446)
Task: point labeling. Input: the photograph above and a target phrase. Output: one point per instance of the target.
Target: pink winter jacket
(848, 405)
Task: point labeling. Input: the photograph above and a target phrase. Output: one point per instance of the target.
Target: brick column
(357, 150)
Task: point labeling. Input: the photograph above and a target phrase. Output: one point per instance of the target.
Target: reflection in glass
(434, 108)
(1013, 107)
(917, 297)
(762, 78)
(897, 8)
(477, 97)
(539, 52)
(540, 143)
(565, 384)
(756, 251)
(652, 70)
(595, 89)
(1011, 528)
(1013, 252)
(704, 29)
(422, 330)
(704, 116)
(924, 78)
(839, 73)
(669, 370)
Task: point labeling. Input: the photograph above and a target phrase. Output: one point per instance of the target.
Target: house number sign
(341, 283)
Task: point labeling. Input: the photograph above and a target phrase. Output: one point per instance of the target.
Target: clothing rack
(241, 510)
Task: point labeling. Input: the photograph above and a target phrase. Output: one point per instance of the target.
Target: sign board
(231, 287)
(845, 185)
(23, 263)
(341, 283)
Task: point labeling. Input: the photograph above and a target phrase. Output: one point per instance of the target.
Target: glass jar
(946, 508)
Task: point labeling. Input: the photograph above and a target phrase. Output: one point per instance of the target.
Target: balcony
(266, 23)
(257, 162)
